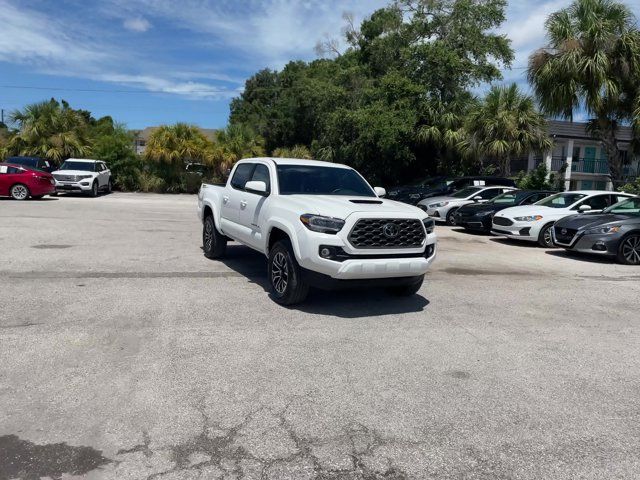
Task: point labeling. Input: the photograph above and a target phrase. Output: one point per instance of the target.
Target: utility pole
(2, 115)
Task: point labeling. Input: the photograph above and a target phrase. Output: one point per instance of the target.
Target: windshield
(561, 200)
(84, 166)
(466, 192)
(509, 198)
(313, 180)
(430, 182)
(630, 206)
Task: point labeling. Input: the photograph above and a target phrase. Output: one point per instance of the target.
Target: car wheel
(285, 275)
(19, 192)
(94, 189)
(109, 186)
(629, 250)
(451, 217)
(407, 290)
(545, 238)
(214, 244)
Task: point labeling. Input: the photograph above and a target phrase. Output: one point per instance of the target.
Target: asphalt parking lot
(125, 354)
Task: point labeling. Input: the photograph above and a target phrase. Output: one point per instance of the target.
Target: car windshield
(630, 206)
(561, 200)
(466, 192)
(430, 182)
(314, 180)
(509, 198)
(84, 166)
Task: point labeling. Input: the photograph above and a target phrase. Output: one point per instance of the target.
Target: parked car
(20, 183)
(36, 163)
(320, 224)
(614, 233)
(534, 222)
(443, 209)
(443, 186)
(82, 175)
(479, 216)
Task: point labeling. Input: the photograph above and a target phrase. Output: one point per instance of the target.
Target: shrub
(536, 179)
(149, 182)
(632, 187)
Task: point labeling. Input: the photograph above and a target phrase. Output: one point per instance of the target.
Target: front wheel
(407, 290)
(451, 217)
(94, 189)
(545, 238)
(214, 244)
(285, 275)
(19, 192)
(629, 250)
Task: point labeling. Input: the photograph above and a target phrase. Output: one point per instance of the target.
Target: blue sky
(147, 62)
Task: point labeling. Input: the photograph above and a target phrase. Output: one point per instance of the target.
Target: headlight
(422, 207)
(438, 205)
(82, 177)
(321, 224)
(530, 218)
(415, 196)
(603, 230)
(429, 225)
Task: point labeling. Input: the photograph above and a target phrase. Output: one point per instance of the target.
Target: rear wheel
(285, 275)
(451, 217)
(545, 238)
(19, 192)
(407, 290)
(214, 244)
(629, 250)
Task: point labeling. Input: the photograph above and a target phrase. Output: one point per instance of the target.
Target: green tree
(50, 130)
(298, 151)
(176, 145)
(113, 144)
(505, 125)
(239, 141)
(592, 61)
(537, 179)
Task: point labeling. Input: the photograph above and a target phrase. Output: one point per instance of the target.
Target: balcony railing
(587, 165)
(557, 163)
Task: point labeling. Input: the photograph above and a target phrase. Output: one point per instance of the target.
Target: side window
(618, 198)
(531, 199)
(241, 175)
(599, 202)
(261, 174)
(103, 166)
(490, 193)
(14, 170)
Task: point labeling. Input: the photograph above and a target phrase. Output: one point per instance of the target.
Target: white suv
(82, 175)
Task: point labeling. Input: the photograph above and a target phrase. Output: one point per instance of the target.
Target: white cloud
(139, 24)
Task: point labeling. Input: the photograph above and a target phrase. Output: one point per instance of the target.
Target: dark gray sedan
(615, 232)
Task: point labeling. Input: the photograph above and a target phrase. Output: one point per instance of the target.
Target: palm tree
(592, 62)
(236, 142)
(50, 130)
(175, 145)
(505, 125)
(298, 151)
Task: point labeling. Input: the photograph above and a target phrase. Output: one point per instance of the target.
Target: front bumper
(82, 186)
(438, 214)
(388, 262)
(599, 244)
(474, 222)
(518, 231)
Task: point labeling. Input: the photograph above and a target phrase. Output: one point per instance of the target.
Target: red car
(20, 182)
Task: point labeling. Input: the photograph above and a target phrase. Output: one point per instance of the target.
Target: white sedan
(534, 222)
(443, 209)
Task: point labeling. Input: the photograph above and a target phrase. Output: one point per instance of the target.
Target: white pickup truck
(320, 225)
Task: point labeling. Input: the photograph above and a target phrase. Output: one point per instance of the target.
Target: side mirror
(257, 187)
(584, 208)
(380, 192)
(477, 198)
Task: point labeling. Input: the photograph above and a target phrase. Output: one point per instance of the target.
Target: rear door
(231, 198)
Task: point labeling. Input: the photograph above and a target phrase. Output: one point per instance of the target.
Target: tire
(285, 275)
(109, 186)
(95, 190)
(451, 219)
(407, 290)
(19, 192)
(213, 243)
(544, 238)
(629, 250)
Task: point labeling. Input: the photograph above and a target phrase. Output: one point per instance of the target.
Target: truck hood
(342, 206)
(72, 172)
(578, 222)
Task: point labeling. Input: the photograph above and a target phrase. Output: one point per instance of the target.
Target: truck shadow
(342, 303)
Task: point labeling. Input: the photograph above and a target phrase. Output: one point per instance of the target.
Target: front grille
(564, 235)
(66, 178)
(505, 222)
(387, 233)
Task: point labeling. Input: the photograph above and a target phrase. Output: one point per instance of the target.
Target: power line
(105, 90)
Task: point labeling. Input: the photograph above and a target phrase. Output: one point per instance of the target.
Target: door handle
(243, 204)
(225, 200)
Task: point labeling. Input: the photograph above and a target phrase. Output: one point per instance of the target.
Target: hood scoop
(367, 202)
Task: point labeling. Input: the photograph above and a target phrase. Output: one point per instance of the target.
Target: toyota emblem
(390, 230)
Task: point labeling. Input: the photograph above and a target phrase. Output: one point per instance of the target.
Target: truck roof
(298, 161)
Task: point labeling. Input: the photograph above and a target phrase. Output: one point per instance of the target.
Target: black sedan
(442, 187)
(479, 216)
(615, 232)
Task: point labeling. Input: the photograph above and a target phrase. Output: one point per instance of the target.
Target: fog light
(325, 252)
(85, 184)
(599, 247)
